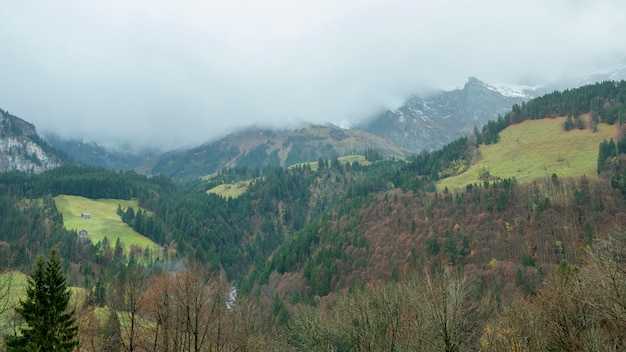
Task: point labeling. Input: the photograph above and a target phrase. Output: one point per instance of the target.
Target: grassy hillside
(536, 148)
(230, 190)
(17, 281)
(258, 148)
(234, 190)
(350, 159)
(104, 221)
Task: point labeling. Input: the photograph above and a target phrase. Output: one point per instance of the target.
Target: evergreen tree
(569, 123)
(50, 324)
(607, 150)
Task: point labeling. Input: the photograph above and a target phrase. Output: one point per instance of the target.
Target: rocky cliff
(21, 149)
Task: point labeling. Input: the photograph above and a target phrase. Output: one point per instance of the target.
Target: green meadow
(350, 159)
(536, 148)
(18, 282)
(230, 190)
(104, 221)
(234, 190)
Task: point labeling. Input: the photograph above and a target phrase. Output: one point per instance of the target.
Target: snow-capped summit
(428, 123)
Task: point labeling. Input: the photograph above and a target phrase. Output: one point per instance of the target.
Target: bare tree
(125, 300)
(380, 319)
(201, 297)
(311, 330)
(86, 321)
(187, 310)
(605, 289)
(519, 326)
(453, 320)
(160, 308)
(6, 282)
(246, 325)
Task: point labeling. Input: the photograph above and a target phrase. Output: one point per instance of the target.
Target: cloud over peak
(174, 73)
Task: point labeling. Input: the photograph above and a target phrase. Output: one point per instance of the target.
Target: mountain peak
(429, 123)
(473, 81)
(21, 149)
(15, 126)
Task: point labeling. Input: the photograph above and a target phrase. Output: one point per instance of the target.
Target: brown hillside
(497, 223)
(502, 224)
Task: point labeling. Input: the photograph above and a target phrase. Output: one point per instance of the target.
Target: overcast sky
(174, 73)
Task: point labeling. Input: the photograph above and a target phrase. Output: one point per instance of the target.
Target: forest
(343, 257)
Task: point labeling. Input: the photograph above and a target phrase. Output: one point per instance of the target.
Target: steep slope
(396, 234)
(429, 123)
(536, 148)
(497, 224)
(256, 147)
(21, 149)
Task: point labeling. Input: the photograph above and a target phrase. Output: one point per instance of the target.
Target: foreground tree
(453, 319)
(125, 299)
(606, 288)
(49, 323)
(189, 309)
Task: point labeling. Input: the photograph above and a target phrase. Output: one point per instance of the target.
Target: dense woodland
(346, 257)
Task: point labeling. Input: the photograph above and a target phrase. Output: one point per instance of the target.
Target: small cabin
(83, 234)
(85, 215)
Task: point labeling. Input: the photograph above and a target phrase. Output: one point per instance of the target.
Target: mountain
(429, 123)
(21, 148)
(616, 74)
(523, 198)
(255, 147)
(432, 121)
(319, 252)
(96, 154)
(421, 123)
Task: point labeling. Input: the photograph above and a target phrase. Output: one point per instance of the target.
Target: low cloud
(170, 74)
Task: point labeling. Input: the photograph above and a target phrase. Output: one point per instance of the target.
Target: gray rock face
(429, 123)
(21, 148)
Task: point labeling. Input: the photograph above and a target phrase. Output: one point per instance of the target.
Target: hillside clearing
(350, 159)
(230, 190)
(234, 190)
(536, 148)
(104, 221)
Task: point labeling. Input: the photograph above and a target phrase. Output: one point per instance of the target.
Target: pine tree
(50, 324)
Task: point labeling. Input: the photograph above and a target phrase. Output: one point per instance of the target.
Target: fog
(170, 74)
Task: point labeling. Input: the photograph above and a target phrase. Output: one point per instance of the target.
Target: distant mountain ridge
(257, 147)
(21, 148)
(96, 154)
(421, 123)
(429, 123)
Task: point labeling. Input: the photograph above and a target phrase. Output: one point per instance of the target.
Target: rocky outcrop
(21, 149)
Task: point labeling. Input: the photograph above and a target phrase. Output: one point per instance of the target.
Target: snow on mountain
(513, 90)
(428, 123)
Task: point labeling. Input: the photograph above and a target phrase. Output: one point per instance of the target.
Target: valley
(298, 239)
(313, 176)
